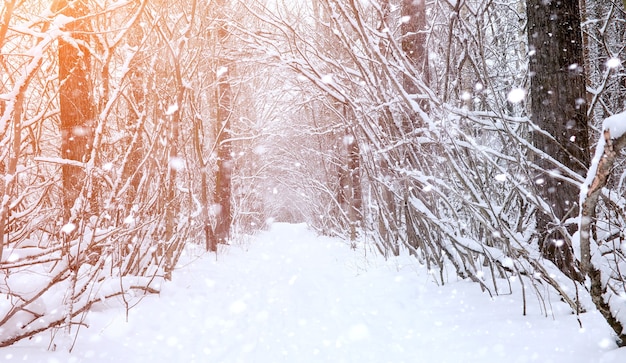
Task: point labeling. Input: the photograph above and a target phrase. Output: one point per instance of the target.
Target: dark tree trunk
(223, 189)
(75, 100)
(224, 162)
(350, 192)
(414, 46)
(558, 107)
(414, 40)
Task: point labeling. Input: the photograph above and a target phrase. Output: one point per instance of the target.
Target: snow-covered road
(292, 296)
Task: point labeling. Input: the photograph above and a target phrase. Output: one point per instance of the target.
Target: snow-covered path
(291, 296)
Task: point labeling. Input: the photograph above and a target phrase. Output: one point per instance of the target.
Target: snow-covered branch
(593, 264)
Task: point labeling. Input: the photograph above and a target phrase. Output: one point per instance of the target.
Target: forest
(485, 139)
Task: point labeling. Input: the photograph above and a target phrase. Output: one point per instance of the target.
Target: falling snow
(171, 109)
(312, 109)
(500, 177)
(177, 163)
(221, 71)
(613, 63)
(516, 95)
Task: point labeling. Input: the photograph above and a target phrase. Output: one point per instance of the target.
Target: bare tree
(223, 187)
(75, 100)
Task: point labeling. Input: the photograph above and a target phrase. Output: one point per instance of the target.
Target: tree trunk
(224, 158)
(414, 39)
(558, 107)
(356, 199)
(75, 101)
(224, 163)
(134, 123)
(600, 290)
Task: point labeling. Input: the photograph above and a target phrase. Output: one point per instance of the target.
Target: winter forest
(483, 139)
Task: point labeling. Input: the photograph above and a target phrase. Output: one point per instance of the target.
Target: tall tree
(558, 107)
(75, 101)
(223, 190)
(414, 39)
(414, 47)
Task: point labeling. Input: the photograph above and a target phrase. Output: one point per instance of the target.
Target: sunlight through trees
(458, 132)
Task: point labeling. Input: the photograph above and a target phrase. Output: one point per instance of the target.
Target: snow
(68, 228)
(60, 21)
(177, 163)
(171, 109)
(516, 95)
(613, 63)
(221, 71)
(616, 125)
(500, 177)
(291, 296)
(327, 79)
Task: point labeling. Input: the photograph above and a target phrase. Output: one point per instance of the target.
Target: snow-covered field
(291, 296)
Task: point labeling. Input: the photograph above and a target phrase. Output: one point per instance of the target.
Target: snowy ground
(290, 296)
